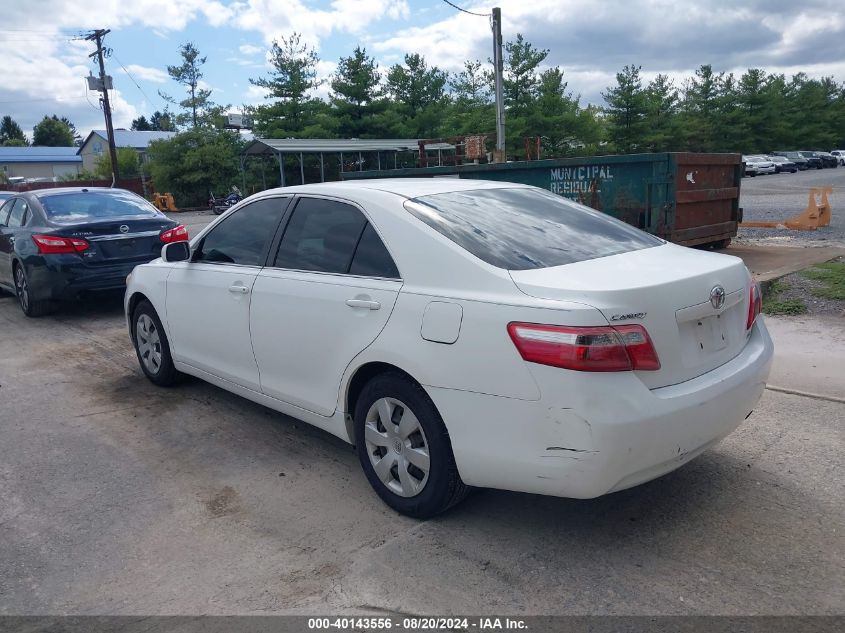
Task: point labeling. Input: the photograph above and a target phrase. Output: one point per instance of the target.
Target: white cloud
(279, 18)
(249, 49)
(146, 73)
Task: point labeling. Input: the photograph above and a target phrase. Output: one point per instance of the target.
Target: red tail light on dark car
(176, 234)
(55, 244)
(602, 348)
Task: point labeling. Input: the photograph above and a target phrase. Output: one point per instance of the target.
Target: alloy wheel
(397, 447)
(22, 288)
(148, 342)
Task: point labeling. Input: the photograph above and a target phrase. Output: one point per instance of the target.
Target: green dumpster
(682, 197)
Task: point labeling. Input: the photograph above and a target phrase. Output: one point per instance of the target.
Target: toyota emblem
(717, 297)
(124, 228)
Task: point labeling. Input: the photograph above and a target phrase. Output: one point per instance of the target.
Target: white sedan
(461, 333)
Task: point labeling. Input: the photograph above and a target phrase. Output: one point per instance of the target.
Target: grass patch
(773, 305)
(832, 277)
(785, 307)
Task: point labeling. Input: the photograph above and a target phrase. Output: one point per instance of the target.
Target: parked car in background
(800, 162)
(782, 164)
(545, 348)
(813, 160)
(840, 155)
(56, 244)
(828, 159)
(758, 165)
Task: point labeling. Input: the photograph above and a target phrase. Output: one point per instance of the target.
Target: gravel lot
(122, 498)
(781, 196)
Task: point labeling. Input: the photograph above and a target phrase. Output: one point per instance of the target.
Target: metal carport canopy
(328, 146)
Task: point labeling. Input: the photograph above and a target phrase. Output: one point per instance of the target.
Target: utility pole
(499, 67)
(97, 36)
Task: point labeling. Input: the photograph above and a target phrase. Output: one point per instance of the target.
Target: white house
(96, 144)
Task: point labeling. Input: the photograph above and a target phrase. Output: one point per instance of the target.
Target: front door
(208, 298)
(326, 297)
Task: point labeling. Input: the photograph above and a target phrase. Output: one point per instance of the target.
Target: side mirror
(176, 252)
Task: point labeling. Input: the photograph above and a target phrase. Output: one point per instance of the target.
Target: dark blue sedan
(58, 244)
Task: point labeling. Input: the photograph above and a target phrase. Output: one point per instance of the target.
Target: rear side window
(244, 236)
(371, 257)
(95, 205)
(523, 229)
(17, 217)
(321, 236)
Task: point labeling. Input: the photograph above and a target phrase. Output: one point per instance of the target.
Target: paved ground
(117, 497)
(195, 221)
(781, 196)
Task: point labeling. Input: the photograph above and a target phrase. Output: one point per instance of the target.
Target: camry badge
(124, 228)
(717, 297)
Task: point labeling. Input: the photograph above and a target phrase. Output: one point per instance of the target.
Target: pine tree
(626, 110)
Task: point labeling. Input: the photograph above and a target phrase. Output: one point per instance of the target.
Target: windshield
(523, 229)
(93, 206)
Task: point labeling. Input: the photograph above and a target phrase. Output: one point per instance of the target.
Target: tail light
(604, 348)
(755, 304)
(55, 244)
(176, 234)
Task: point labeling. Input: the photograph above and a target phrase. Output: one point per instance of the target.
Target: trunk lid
(666, 289)
(120, 240)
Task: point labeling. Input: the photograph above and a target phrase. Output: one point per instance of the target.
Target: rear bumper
(606, 432)
(64, 277)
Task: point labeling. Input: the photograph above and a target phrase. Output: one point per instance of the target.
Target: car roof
(405, 187)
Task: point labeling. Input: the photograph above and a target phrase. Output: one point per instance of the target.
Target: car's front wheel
(30, 307)
(152, 346)
(404, 448)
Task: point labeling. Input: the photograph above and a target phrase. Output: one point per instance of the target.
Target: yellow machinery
(815, 215)
(164, 202)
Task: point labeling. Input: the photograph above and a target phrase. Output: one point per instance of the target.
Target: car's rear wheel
(30, 307)
(404, 448)
(152, 347)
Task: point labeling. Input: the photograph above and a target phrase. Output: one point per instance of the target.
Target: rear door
(327, 295)
(208, 298)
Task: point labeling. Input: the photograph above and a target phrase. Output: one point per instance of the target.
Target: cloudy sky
(44, 64)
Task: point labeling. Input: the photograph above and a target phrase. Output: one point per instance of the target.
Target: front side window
(4, 211)
(244, 236)
(523, 229)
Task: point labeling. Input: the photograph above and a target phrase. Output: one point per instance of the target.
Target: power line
(454, 6)
(137, 85)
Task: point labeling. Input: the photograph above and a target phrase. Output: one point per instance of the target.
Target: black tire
(29, 307)
(443, 487)
(163, 373)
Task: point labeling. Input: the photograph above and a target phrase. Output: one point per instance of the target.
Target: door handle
(362, 303)
(237, 288)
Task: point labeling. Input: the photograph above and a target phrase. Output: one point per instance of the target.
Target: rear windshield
(91, 206)
(523, 229)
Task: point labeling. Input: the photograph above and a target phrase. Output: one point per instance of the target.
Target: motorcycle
(221, 205)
